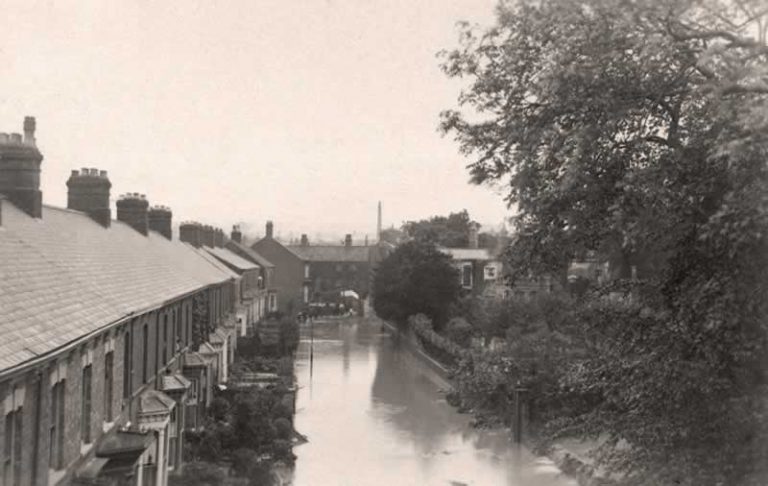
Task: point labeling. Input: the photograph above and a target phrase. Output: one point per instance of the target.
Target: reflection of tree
(400, 383)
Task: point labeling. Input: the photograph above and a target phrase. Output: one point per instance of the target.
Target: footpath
(571, 456)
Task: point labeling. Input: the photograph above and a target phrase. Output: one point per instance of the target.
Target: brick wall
(37, 385)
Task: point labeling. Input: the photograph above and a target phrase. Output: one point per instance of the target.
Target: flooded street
(374, 416)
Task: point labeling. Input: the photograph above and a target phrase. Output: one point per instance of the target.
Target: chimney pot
(133, 210)
(304, 240)
(236, 236)
(29, 130)
(103, 173)
(348, 240)
(20, 173)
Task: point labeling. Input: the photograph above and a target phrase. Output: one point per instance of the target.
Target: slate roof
(231, 258)
(332, 253)
(192, 358)
(215, 262)
(176, 381)
(468, 253)
(251, 253)
(65, 276)
(155, 401)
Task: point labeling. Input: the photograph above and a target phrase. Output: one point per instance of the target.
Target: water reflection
(374, 415)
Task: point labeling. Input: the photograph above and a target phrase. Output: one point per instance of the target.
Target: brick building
(102, 323)
(331, 269)
(268, 292)
(288, 282)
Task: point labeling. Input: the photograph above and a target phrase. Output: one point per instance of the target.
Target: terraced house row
(113, 333)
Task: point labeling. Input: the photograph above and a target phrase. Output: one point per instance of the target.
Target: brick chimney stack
(236, 236)
(160, 218)
(208, 237)
(218, 237)
(192, 233)
(270, 229)
(474, 237)
(132, 209)
(88, 191)
(304, 240)
(348, 241)
(20, 170)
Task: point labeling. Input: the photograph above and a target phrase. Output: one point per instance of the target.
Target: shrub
(459, 331)
(242, 461)
(219, 408)
(199, 474)
(283, 428)
(282, 450)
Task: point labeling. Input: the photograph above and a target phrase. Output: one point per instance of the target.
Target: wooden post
(519, 412)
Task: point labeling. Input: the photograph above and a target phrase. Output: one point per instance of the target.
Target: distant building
(331, 269)
(288, 281)
(267, 298)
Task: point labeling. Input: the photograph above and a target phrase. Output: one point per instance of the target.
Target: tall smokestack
(378, 224)
(270, 229)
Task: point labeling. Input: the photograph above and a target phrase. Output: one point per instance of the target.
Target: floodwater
(374, 415)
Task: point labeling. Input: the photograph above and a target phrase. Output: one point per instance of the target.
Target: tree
(415, 278)
(451, 231)
(638, 130)
(392, 235)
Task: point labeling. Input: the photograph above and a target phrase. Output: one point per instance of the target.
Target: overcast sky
(303, 112)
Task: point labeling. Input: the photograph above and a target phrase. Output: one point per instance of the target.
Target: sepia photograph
(384, 243)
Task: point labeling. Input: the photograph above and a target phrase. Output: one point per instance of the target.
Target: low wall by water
(411, 342)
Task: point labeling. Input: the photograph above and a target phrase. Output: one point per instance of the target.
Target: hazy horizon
(304, 114)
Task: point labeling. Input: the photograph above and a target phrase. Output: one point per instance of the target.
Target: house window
(165, 339)
(306, 270)
(108, 384)
(306, 294)
(466, 275)
(12, 448)
(145, 350)
(189, 325)
(127, 365)
(272, 302)
(85, 410)
(56, 435)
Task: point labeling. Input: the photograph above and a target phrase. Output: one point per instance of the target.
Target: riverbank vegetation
(248, 431)
(635, 131)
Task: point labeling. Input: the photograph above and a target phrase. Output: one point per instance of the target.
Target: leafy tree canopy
(416, 278)
(451, 231)
(638, 129)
